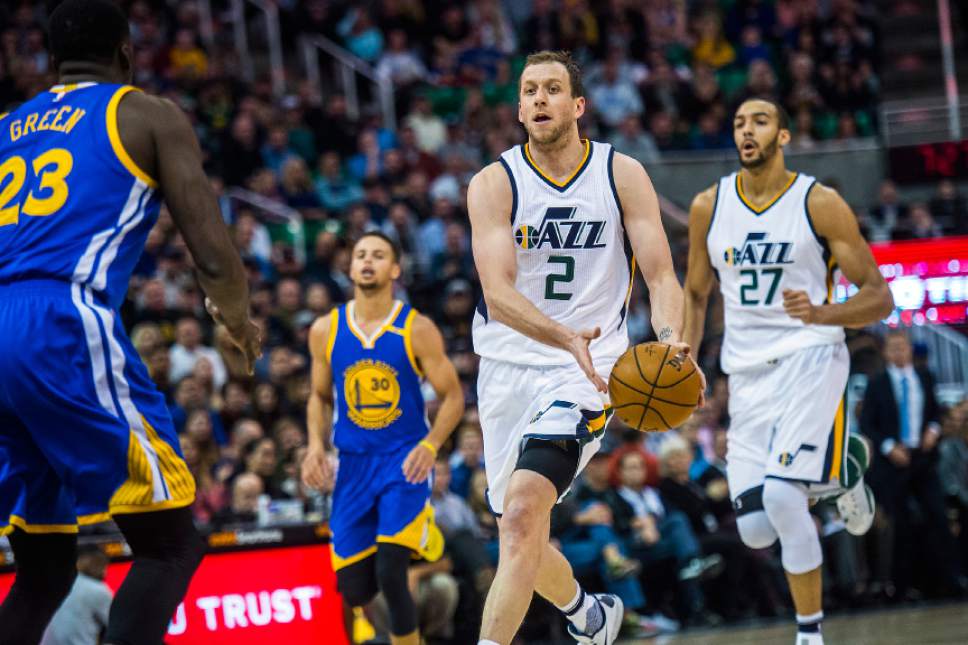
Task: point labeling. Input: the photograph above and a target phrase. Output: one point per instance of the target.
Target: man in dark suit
(900, 416)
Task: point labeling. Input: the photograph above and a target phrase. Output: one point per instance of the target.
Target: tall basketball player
(774, 239)
(84, 433)
(371, 355)
(551, 220)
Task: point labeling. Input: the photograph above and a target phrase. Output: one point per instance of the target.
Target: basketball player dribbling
(774, 239)
(550, 221)
(84, 433)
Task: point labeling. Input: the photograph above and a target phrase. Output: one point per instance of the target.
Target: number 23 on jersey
(46, 177)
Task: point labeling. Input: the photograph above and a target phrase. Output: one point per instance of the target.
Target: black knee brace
(357, 582)
(555, 459)
(46, 568)
(392, 562)
(167, 549)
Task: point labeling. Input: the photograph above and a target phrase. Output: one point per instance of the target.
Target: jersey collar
(563, 186)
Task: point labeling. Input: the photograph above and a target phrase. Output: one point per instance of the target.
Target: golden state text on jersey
(376, 383)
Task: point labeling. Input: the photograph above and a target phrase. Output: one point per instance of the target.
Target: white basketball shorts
(788, 420)
(518, 402)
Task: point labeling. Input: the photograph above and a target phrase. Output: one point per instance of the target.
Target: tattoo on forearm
(664, 334)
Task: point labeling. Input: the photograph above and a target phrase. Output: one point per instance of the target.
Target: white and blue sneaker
(613, 610)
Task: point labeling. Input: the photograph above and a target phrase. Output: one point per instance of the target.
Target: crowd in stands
(650, 519)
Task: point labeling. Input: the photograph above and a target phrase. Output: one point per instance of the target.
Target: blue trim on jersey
(611, 182)
(514, 189)
(806, 209)
(710, 227)
(629, 253)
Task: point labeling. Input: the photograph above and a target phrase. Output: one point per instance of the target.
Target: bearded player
(371, 355)
(775, 239)
(551, 220)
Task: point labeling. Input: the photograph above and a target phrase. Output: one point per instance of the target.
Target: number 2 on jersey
(51, 169)
(567, 275)
(754, 285)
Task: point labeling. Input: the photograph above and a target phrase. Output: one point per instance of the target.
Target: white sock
(809, 629)
(487, 643)
(584, 612)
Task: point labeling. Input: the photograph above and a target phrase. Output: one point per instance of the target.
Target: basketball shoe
(856, 506)
(608, 630)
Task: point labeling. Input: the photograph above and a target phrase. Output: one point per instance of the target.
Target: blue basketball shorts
(373, 503)
(84, 432)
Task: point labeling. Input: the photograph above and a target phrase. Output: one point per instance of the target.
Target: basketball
(654, 389)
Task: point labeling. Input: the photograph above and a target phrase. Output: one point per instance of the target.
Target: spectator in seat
(467, 459)
(632, 140)
(953, 468)
(661, 533)
(243, 509)
(920, 225)
(83, 616)
(949, 209)
(901, 417)
(188, 349)
(614, 98)
(430, 131)
(464, 539)
(887, 214)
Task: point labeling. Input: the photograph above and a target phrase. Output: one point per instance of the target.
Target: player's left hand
(683, 349)
(417, 465)
(797, 305)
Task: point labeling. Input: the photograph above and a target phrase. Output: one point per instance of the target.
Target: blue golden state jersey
(376, 383)
(74, 207)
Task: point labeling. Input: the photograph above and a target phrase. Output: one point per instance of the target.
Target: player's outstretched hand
(247, 338)
(797, 305)
(317, 470)
(418, 464)
(577, 344)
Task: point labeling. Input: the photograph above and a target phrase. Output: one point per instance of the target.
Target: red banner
(284, 595)
(928, 279)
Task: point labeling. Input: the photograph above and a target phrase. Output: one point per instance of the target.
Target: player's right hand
(577, 344)
(317, 470)
(247, 337)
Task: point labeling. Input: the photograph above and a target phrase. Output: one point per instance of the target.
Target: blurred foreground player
(371, 355)
(84, 433)
(774, 240)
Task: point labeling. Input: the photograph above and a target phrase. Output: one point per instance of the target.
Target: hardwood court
(907, 626)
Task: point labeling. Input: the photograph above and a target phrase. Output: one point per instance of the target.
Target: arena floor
(915, 626)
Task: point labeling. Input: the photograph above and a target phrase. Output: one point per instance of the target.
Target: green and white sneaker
(856, 505)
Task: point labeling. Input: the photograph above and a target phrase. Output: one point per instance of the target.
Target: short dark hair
(394, 247)
(563, 57)
(85, 30)
(782, 116)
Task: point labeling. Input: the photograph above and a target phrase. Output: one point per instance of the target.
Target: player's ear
(783, 137)
(396, 271)
(125, 61)
(520, 113)
(579, 107)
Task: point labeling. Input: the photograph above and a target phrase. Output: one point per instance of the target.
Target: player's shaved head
(86, 30)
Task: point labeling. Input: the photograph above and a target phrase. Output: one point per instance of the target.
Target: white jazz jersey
(757, 253)
(573, 261)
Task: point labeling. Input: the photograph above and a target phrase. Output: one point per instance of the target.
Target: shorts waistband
(42, 286)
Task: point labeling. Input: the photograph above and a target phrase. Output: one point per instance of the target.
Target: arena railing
(347, 67)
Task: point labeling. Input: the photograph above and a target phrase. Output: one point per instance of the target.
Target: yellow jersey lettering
(44, 120)
(71, 122)
(57, 126)
(15, 131)
(30, 124)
